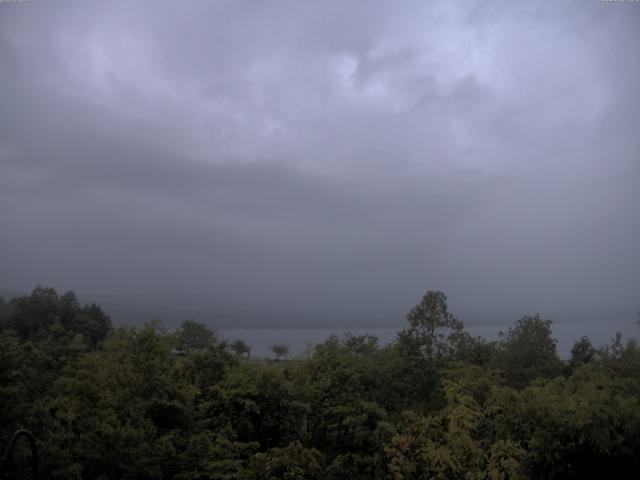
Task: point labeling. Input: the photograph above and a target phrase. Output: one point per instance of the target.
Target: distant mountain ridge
(7, 294)
(174, 307)
(223, 313)
(220, 313)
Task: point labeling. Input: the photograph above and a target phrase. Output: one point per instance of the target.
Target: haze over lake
(600, 333)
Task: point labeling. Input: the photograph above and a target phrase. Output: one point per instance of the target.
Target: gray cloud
(329, 158)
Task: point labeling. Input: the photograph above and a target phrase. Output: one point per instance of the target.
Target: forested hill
(151, 403)
(173, 307)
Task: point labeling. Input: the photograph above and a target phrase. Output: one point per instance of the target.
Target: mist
(331, 160)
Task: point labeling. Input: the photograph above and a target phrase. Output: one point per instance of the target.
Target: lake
(600, 334)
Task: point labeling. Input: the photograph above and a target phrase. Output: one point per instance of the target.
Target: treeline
(438, 403)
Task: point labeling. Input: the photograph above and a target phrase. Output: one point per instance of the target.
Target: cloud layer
(329, 157)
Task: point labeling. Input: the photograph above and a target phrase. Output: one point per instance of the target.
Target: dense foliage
(144, 403)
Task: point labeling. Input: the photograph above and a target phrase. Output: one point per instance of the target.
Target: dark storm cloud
(322, 156)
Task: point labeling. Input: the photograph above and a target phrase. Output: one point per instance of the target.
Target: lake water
(600, 334)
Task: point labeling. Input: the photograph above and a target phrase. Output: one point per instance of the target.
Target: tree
(435, 406)
(449, 446)
(5, 313)
(361, 344)
(255, 403)
(281, 350)
(431, 327)
(32, 315)
(293, 462)
(194, 335)
(96, 324)
(45, 315)
(582, 352)
(240, 348)
(472, 350)
(432, 338)
(530, 352)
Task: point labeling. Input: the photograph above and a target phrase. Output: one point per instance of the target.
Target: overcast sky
(328, 156)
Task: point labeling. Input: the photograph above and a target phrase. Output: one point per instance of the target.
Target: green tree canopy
(240, 348)
(280, 350)
(194, 335)
(431, 327)
(530, 351)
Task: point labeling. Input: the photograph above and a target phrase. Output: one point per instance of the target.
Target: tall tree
(582, 352)
(281, 350)
(530, 351)
(432, 327)
(240, 348)
(194, 335)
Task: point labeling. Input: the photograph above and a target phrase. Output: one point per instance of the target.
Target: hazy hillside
(222, 313)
